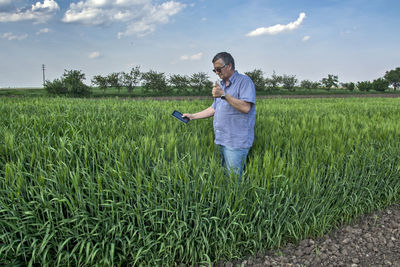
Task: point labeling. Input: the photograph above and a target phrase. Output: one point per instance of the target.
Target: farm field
(116, 182)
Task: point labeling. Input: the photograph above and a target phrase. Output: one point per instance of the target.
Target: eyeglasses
(219, 69)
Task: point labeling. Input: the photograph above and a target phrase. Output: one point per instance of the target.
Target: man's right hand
(188, 115)
(217, 90)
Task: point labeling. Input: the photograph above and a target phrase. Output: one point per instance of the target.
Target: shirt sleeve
(213, 104)
(247, 91)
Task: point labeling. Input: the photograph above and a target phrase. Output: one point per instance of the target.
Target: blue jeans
(233, 158)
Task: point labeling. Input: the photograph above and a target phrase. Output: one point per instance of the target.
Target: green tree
(316, 85)
(257, 77)
(101, 82)
(306, 84)
(114, 80)
(289, 82)
(380, 84)
(349, 86)
(393, 76)
(274, 81)
(56, 87)
(200, 81)
(330, 81)
(364, 86)
(179, 82)
(130, 80)
(155, 81)
(71, 83)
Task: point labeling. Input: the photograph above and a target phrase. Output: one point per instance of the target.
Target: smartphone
(178, 115)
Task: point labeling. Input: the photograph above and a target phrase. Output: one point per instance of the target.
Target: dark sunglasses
(219, 69)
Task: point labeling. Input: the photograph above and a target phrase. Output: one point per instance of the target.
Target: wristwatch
(223, 97)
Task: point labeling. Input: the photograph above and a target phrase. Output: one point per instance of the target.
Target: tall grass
(112, 182)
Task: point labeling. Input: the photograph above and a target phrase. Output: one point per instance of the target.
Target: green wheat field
(115, 182)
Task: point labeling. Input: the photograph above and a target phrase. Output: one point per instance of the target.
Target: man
(234, 111)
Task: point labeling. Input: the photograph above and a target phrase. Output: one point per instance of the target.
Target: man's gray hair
(226, 58)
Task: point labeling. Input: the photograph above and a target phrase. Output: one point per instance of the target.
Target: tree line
(72, 82)
(290, 82)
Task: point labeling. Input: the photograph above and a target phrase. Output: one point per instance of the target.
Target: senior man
(234, 111)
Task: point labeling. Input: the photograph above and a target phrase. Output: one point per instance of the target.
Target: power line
(44, 78)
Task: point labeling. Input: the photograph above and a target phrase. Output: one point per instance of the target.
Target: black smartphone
(178, 115)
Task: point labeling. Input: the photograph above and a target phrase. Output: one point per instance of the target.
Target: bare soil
(372, 240)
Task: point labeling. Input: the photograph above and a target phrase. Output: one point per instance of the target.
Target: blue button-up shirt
(233, 128)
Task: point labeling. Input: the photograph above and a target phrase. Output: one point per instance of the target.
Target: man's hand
(187, 115)
(208, 112)
(217, 90)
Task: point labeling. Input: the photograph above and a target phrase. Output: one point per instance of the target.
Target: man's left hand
(217, 90)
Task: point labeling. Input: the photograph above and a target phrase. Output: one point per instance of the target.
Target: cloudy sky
(354, 39)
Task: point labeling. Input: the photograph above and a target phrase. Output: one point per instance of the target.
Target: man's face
(222, 70)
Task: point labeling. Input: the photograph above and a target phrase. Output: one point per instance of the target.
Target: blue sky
(354, 39)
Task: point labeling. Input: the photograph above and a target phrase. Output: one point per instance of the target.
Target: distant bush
(330, 81)
(306, 84)
(155, 81)
(55, 87)
(257, 77)
(179, 82)
(364, 86)
(71, 83)
(131, 79)
(101, 82)
(393, 76)
(380, 85)
(349, 86)
(289, 82)
(273, 82)
(200, 81)
(115, 80)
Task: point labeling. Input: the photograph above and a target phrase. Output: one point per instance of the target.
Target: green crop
(121, 182)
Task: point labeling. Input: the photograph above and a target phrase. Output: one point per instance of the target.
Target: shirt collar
(232, 79)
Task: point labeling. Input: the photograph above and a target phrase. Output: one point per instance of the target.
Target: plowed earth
(372, 240)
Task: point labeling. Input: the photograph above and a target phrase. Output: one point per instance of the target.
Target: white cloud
(131, 2)
(157, 15)
(40, 12)
(44, 30)
(278, 28)
(306, 38)
(141, 16)
(11, 36)
(197, 56)
(94, 55)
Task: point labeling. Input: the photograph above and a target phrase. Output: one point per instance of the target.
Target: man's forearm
(208, 112)
(238, 104)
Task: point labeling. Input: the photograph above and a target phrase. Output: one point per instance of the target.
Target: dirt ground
(372, 240)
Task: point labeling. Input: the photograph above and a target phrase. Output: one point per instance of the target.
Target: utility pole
(44, 79)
